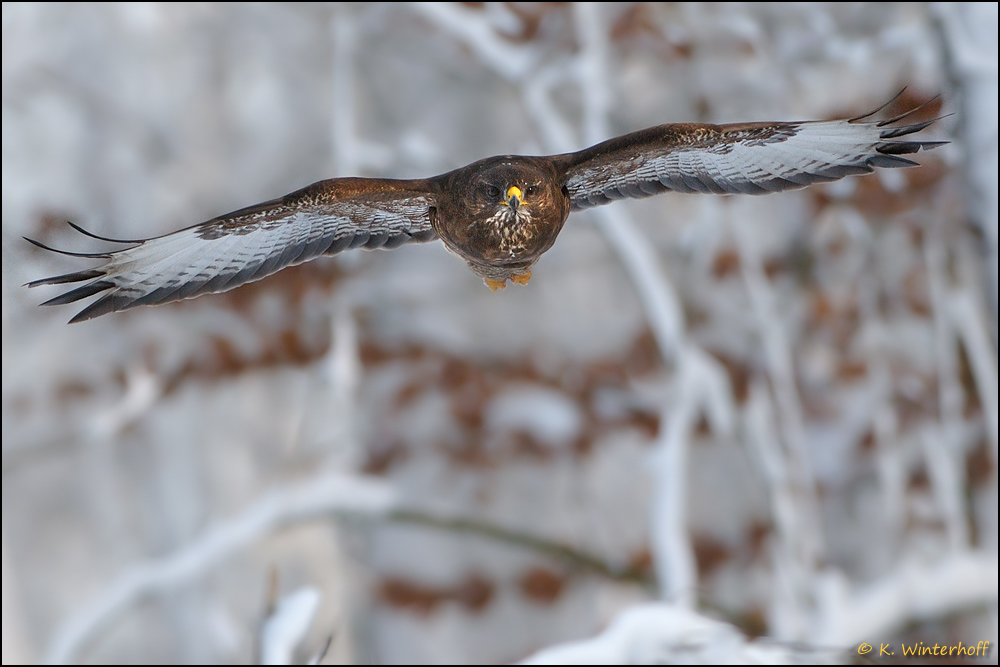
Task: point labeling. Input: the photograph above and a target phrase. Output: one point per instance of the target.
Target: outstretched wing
(748, 158)
(220, 254)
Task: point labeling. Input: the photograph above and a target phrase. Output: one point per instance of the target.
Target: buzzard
(499, 214)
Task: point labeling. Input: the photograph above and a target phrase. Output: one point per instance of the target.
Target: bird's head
(514, 191)
(511, 200)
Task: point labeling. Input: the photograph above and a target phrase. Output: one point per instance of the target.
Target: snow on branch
(673, 554)
(790, 569)
(942, 443)
(287, 626)
(474, 29)
(969, 37)
(659, 633)
(142, 390)
(967, 319)
(911, 592)
(325, 494)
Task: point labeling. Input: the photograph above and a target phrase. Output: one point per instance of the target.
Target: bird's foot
(521, 278)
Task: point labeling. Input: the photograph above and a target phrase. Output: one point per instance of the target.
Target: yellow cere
(514, 191)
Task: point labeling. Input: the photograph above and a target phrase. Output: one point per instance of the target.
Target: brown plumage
(499, 214)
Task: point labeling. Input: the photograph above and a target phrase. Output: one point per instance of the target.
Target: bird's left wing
(748, 158)
(220, 254)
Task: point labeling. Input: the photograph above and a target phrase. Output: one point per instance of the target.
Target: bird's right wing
(225, 252)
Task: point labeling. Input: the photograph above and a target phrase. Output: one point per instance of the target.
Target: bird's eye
(493, 191)
(531, 189)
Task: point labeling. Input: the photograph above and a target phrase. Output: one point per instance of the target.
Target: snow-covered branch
(912, 592)
(324, 495)
(969, 38)
(286, 626)
(659, 634)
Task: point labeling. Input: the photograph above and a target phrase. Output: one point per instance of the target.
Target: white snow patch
(548, 415)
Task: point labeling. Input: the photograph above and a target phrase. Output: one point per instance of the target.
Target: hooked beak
(513, 197)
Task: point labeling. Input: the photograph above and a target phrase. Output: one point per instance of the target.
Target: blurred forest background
(779, 412)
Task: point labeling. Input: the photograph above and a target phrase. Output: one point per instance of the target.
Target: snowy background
(776, 412)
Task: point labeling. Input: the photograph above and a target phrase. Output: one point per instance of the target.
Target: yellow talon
(495, 284)
(521, 278)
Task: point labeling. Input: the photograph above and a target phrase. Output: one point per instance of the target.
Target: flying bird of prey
(499, 214)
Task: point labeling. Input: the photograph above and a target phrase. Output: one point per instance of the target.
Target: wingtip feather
(108, 303)
(905, 114)
(872, 113)
(102, 238)
(81, 292)
(89, 255)
(75, 277)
